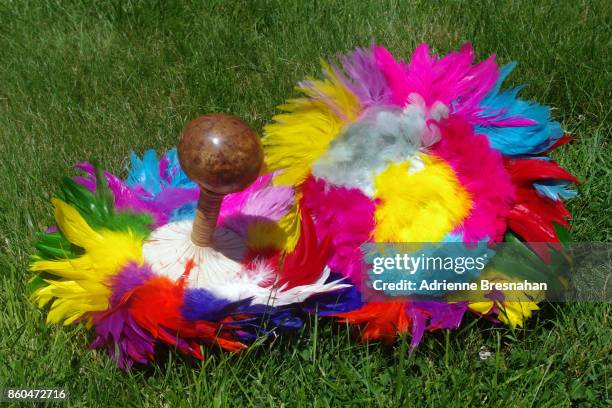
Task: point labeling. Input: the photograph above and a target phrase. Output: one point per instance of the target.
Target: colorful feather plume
(430, 150)
(119, 261)
(377, 151)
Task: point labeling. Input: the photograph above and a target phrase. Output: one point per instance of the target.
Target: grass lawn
(83, 80)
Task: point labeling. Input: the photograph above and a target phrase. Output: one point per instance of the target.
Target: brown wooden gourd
(223, 155)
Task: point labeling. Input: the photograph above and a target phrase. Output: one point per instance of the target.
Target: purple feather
(360, 73)
(129, 278)
(432, 315)
(160, 206)
(201, 304)
(116, 330)
(126, 198)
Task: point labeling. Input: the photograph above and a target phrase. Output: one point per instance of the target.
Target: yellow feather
(81, 286)
(262, 234)
(291, 224)
(514, 312)
(483, 307)
(298, 138)
(73, 226)
(419, 206)
(331, 91)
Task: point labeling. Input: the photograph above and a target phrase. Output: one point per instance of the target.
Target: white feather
(381, 137)
(217, 269)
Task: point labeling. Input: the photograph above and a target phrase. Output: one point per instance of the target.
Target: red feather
(563, 140)
(533, 216)
(156, 306)
(380, 320)
(526, 171)
(306, 262)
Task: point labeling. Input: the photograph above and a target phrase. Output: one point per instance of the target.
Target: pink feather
(452, 80)
(481, 171)
(347, 216)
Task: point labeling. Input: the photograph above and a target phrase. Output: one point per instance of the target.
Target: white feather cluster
(381, 137)
(218, 270)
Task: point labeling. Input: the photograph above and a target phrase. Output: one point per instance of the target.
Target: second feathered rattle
(159, 259)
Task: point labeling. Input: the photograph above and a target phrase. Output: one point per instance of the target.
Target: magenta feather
(478, 167)
(451, 80)
(345, 215)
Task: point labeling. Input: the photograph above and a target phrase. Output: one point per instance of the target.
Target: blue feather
(339, 301)
(515, 140)
(175, 173)
(263, 320)
(200, 304)
(145, 173)
(186, 212)
(555, 189)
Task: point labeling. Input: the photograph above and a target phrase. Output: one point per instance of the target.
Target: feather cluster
(379, 150)
(429, 150)
(120, 260)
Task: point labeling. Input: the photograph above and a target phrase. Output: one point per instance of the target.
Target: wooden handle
(223, 155)
(206, 217)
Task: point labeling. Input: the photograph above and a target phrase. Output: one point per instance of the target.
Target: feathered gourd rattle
(159, 259)
(431, 150)
(379, 151)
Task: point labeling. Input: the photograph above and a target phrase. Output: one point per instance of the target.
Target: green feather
(562, 233)
(517, 260)
(98, 211)
(98, 208)
(53, 245)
